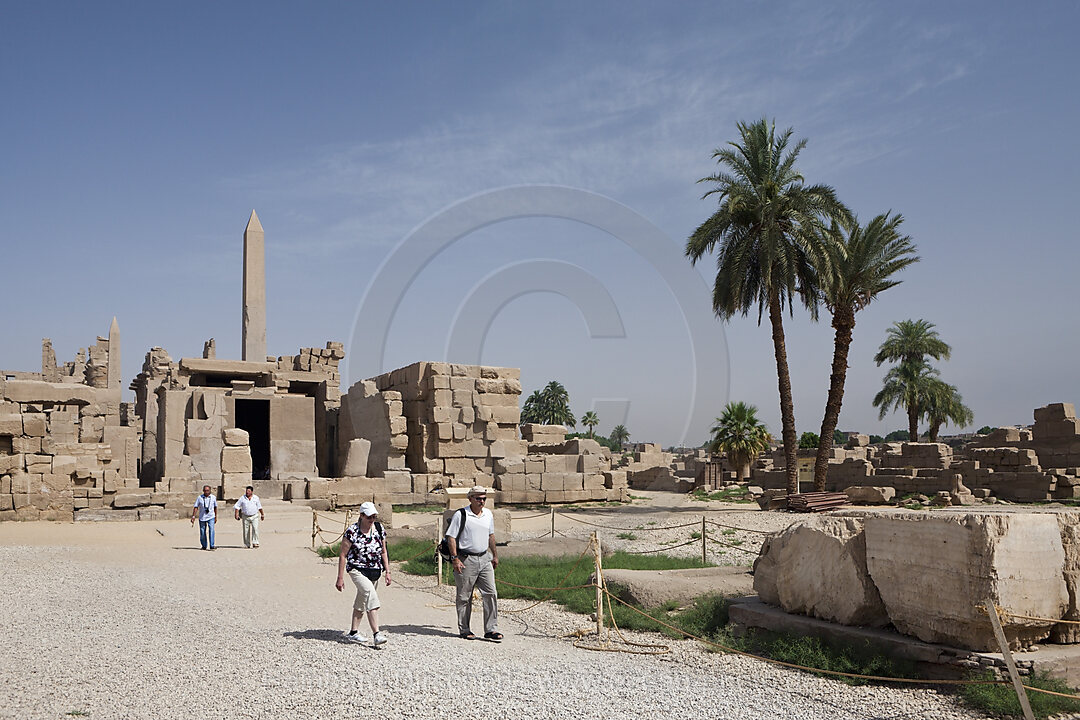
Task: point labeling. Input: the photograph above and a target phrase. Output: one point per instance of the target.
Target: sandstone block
(1016, 560)
(870, 495)
(235, 459)
(1055, 411)
(615, 479)
(817, 567)
(26, 445)
(235, 437)
(33, 424)
(131, 500)
(356, 457)
(318, 489)
(11, 424)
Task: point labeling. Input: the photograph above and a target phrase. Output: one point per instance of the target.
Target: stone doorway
(254, 416)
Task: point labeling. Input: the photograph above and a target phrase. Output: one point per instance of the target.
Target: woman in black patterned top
(363, 555)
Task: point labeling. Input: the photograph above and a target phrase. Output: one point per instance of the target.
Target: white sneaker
(354, 637)
(379, 639)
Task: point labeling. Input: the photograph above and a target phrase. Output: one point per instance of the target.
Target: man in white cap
(474, 558)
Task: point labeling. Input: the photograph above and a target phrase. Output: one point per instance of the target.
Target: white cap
(477, 490)
(369, 509)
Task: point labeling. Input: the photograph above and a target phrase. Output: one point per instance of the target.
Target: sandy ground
(134, 620)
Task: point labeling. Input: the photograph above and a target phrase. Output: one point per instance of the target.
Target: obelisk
(254, 327)
(114, 370)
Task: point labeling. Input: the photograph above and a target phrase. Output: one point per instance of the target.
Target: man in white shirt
(206, 510)
(249, 509)
(474, 557)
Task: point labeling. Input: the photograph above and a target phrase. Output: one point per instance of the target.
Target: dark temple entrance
(254, 416)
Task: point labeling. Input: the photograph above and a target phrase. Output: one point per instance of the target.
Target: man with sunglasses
(474, 558)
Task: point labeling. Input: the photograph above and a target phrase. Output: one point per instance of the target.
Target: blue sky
(137, 137)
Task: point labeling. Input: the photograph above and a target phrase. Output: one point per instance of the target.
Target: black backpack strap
(461, 530)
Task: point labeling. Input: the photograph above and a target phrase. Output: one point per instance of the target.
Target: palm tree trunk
(783, 377)
(913, 422)
(844, 322)
(932, 433)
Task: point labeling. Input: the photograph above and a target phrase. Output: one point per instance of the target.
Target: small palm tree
(550, 406)
(945, 406)
(619, 435)
(590, 421)
(532, 410)
(740, 435)
(864, 261)
(907, 386)
(767, 231)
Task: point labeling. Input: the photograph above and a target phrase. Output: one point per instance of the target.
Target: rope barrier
(667, 547)
(615, 527)
(731, 545)
(735, 527)
(1035, 617)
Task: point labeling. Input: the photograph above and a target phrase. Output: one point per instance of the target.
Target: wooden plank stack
(815, 501)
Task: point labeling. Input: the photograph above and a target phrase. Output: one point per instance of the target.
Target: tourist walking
(474, 558)
(206, 511)
(249, 509)
(363, 555)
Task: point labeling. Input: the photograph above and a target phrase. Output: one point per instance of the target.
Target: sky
(514, 183)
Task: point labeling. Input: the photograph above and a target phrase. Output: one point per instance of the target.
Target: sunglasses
(481, 498)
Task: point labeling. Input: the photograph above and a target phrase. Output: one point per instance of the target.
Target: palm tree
(619, 435)
(911, 340)
(767, 230)
(738, 434)
(864, 259)
(907, 385)
(944, 406)
(550, 406)
(590, 421)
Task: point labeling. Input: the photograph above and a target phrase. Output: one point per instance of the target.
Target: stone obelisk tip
(113, 371)
(253, 223)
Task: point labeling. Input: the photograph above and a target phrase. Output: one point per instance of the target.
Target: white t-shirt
(478, 528)
(248, 507)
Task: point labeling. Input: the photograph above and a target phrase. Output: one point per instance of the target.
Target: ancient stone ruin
(70, 449)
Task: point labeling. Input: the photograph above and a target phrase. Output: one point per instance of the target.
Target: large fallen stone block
(1069, 523)
(933, 570)
(817, 567)
(870, 495)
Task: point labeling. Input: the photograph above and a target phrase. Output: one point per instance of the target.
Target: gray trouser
(477, 573)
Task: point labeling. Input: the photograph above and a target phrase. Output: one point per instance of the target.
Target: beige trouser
(477, 573)
(251, 529)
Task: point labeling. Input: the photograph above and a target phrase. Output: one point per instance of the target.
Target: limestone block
(560, 464)
(292, 456)
(593, 481)
(235, 436)
(352, 499)
(460, 467)
(292, 418)
(131, 500)
(318, 489)
(505, 415)
(55, 483)
(11, 424)
(1055, 411)
(352, 486)
(394, 481)
(235, 460)
(583, 446)
(424, 483)
(233, 486)
(501, 518)
(11, 463)
(26, 445)
(509, 465)
(817, 567)
(1069, 525)
(615, 479)
(33, 424)
(870, 495)
(205, 454)
(38, 463)
(588, 464)
(356, 457)
(1016, 560)
(91, 429)
(208, 428)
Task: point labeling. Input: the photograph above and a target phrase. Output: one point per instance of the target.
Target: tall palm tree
(738, 434)
(911, 340)
(619, 435)
(532, 411)
(767, 230)
(864, 260)
(590, 421)
(908, 386)
(944, 406)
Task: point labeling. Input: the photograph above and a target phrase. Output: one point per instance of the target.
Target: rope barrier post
(438, 538)
(1021, 694)
(553, 521)
(599, 588)
(703, 540)
(314, 532)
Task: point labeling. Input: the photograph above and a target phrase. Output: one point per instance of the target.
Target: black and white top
(366, 551)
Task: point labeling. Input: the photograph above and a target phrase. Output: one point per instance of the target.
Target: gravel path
(120, 621)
